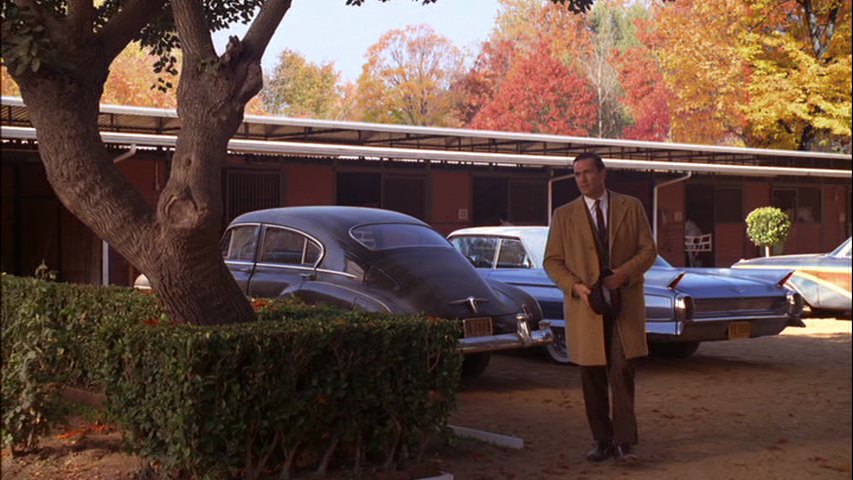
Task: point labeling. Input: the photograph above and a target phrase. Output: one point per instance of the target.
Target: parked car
(379, 261)
(684, 306)
(823, 279)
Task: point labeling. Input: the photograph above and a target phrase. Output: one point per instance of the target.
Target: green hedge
(54, 335)
(302, 388)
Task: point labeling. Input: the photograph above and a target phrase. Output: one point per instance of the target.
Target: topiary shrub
(767, 227)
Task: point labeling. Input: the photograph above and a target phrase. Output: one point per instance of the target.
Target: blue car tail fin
(675, 280)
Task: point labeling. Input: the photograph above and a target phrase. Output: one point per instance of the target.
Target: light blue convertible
(684, 306)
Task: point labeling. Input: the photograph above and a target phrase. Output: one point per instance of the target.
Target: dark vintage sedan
(684, 306)
(823, 279)
(378, 261)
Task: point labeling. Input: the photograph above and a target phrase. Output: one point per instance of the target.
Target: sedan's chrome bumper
(706, 330)
(522, 338)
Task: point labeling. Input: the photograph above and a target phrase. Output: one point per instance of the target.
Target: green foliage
(25, 44)
(299, 88)
(302, 387)
(53, 335)
(300, 383)
(767, 226)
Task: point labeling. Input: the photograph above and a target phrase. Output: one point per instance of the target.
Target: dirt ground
(768, 408)
(765, 408)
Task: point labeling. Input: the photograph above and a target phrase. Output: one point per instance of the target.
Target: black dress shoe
(601, 452)
(624, 454)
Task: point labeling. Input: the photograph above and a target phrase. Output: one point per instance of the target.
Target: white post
(655, 202)
(105, 263)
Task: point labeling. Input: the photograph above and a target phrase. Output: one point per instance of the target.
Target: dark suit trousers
(616, 378)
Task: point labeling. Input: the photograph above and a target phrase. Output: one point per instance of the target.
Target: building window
(728, 205)
(249, 190)
(359, 189)
(401, 193)
(808, 205)
(405, 194)
(802, 205)
(528, 202)
(503, 201)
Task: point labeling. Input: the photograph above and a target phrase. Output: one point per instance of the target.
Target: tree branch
(127, 23)
(263, 27)
(55, 28)
(81, 14)
(192, 29)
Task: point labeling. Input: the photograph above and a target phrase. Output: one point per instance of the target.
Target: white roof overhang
(152, 127)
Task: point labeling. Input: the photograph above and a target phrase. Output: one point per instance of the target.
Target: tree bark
(176, 244)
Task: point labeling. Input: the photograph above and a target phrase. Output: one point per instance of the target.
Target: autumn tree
(59, 53)
(607, 26)
(299, 88)
(8, 87)
(702, 67)
(407, 78)
(540, 95)
(477, 87)
(799, 88)
(646, 97)
(522, 27)
(133, 81)
(765, 74)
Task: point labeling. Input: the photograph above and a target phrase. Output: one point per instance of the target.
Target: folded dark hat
(597, 301)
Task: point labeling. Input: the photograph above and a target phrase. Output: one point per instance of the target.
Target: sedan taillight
(684, 308)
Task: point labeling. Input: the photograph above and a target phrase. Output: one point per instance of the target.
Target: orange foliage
(132, 81)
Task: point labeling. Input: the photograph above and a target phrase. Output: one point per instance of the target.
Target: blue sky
(330, 31)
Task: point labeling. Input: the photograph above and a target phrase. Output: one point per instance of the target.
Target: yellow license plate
(478, 327)
(739, 330)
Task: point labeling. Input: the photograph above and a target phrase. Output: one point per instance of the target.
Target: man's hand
(614, 280)
(582, 291)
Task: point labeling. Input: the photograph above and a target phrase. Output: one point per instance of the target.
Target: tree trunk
(176, 246)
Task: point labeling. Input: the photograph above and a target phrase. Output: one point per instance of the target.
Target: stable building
(696, 196)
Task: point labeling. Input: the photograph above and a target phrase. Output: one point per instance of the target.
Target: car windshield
(536, 240)
(843, 250)
(385, 236)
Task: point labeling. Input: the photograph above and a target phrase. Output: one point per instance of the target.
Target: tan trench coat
(571, 257)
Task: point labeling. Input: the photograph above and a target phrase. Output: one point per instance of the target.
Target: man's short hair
(599, 163)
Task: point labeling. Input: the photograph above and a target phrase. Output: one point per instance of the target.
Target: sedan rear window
(385, 236)
(288, 247)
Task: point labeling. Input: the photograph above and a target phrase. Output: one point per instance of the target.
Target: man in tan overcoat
(603, 345)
